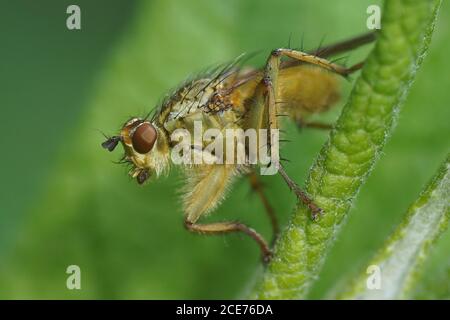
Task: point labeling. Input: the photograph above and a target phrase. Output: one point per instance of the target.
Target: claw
(267, 256)
(316, 211)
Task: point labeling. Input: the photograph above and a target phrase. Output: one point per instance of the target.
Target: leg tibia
(232, 226)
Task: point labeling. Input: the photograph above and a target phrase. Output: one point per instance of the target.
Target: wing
(302, 89)
(196, 90)
(255, 75)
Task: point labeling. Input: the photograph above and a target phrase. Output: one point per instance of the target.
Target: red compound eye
(144, 138)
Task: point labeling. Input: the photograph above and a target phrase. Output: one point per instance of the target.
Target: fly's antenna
(102, 133)
(111, 141)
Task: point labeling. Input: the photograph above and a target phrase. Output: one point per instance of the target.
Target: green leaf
(401, 259)
(354, 146)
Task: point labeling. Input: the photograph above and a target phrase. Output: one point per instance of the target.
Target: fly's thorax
(206, 120)
(190, 98)
(199, 104)
(198, 119)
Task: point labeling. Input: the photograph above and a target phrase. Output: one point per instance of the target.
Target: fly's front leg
(206, 187)
(269, 81)
(228, 227)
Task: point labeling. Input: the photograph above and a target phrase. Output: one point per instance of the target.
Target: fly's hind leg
(270, 84)
(322, 105)
(272, 69)
(302, 123)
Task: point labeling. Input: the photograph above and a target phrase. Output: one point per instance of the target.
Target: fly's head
(146, 148)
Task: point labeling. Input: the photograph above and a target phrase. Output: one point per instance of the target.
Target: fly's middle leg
(314, 125)
(270, 82)
(206, 188)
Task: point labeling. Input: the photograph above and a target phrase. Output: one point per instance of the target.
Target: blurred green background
(64, 202)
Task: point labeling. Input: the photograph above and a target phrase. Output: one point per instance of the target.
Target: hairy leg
(314, 125)
(269, 81)
(228, 227)
(206, 187)
(257, 186)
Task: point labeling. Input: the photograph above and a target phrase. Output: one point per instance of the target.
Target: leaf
(354, 146)
(401, 259)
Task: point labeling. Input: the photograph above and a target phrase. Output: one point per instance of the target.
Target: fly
(232, 97)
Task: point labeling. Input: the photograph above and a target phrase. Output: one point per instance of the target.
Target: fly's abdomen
(304, 90)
